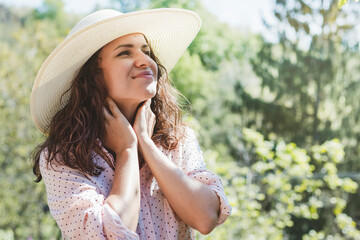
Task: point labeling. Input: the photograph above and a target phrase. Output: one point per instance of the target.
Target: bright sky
(235, 12)
(241, 12)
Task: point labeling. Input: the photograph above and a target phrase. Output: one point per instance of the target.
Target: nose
(142, 60)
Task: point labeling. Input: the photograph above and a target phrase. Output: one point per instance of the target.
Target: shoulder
(49, 164)
(185, 136)
(44, 158)
(189, 135)
(189, 142)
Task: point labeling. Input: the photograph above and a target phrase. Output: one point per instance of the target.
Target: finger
(149, 114)
(151, 119)
(107, 113)
(144, 109)
(147, 108)
(151, 128)
(114, 110)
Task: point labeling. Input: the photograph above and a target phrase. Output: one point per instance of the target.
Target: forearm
(194, 202)
(124, 197)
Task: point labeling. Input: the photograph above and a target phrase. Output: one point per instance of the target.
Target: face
(130, 73)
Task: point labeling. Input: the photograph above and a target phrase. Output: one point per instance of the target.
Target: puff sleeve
(78, 207)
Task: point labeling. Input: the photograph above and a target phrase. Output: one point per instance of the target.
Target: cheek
(108, 80)
(112, 84)
(154, 67)
(114, 76)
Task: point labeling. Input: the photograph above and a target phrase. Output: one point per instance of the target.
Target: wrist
(130, 149)
(145, 139)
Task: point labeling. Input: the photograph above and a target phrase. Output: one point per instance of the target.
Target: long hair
(74, 132)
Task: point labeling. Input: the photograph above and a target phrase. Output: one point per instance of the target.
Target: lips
(144, 74)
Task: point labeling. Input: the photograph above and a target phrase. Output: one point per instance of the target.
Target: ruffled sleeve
(194, 166)
(78, 207)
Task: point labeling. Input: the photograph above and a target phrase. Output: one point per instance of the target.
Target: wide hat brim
(169, 32)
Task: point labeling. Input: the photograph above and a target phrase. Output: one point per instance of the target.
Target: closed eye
(147, 52)
(123, 53)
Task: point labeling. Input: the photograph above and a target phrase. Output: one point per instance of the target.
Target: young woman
(118, 162)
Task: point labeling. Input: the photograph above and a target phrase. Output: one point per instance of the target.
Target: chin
(149, 97)
(150, 93)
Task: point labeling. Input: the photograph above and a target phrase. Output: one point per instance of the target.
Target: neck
(128, 110)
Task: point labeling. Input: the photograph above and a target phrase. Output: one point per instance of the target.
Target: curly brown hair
(75, 130)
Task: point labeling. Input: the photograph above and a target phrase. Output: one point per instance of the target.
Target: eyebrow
(131, 46)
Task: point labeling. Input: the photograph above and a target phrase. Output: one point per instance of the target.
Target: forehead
(133, 38)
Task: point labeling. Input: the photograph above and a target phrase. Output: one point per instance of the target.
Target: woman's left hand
(144, 122)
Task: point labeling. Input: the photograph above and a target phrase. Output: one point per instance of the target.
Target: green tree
(308, 76)
(53, 10)
(23, 206)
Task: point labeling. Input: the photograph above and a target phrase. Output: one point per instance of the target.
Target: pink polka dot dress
(77, 202)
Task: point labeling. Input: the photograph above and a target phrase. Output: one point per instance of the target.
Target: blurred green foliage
(282, 184)
(310, 76)
(299, 90)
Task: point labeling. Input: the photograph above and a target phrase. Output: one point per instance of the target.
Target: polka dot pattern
(77, 202)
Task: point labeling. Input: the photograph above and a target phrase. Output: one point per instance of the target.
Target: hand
(144, 121)
(119, 132)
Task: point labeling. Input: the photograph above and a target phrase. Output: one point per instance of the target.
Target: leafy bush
(280, 184)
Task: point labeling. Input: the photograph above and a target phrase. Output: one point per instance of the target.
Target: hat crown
(94, 18)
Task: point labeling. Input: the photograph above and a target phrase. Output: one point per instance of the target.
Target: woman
(118, 163)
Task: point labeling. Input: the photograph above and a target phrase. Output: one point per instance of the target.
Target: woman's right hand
(119, 133)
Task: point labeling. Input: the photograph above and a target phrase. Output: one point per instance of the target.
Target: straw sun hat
(169, 32)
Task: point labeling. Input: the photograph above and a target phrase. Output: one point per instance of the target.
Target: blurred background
(272, 87)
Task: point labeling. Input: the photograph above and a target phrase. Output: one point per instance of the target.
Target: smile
(144, 74)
